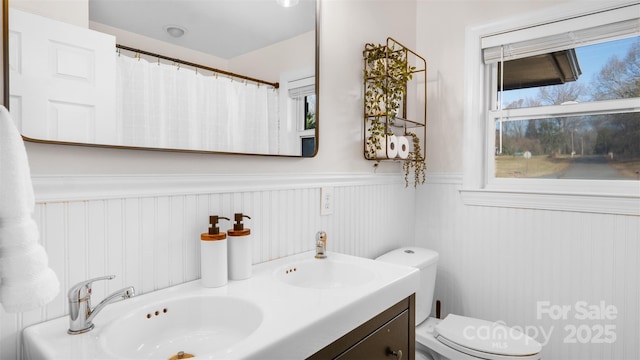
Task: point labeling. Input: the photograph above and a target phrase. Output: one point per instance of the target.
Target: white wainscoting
(146, 229)
(498, 263)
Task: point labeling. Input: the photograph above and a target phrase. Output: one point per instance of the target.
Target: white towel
(16, 192)
(26, 281)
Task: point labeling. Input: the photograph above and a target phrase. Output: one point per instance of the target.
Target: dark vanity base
(382, 337)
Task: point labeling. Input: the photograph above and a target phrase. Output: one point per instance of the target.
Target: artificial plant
(386, 74)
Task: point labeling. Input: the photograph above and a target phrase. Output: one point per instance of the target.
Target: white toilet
(457, 337)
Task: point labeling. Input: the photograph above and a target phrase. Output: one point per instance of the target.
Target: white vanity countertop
(297, 321)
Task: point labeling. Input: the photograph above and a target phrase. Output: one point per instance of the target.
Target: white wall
(345, 27)
(294, 54)
(146, 229)
(498, 263)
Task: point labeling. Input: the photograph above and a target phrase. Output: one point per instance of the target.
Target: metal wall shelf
(410, 117)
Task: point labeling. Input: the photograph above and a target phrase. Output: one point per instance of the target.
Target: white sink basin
(324, 274)
(193, 325)
(289, 309)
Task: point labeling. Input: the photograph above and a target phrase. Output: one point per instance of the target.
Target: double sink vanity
(295, 307)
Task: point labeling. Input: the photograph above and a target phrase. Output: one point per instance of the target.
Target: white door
(62, 80)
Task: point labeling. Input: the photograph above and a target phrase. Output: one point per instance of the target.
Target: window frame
(303, 87)
(480, 186)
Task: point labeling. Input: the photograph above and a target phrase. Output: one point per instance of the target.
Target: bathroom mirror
(255, 92)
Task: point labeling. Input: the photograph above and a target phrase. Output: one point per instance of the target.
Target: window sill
(557, 201)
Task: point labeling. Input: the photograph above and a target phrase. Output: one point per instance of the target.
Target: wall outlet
(326, 201)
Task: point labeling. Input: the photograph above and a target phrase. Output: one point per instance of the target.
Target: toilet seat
(485, 339)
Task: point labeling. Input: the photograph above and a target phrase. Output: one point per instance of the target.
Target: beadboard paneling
(497, 263)
(146, 231)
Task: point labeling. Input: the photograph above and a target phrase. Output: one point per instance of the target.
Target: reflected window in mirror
(309, 142)
(302, 114)
(310, 112)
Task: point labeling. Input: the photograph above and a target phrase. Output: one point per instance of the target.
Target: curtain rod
(218, 71)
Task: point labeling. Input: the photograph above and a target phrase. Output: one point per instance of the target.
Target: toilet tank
(426, 261)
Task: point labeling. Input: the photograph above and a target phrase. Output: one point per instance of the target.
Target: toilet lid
(484, 338)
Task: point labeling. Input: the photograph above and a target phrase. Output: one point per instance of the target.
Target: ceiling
(224, 28)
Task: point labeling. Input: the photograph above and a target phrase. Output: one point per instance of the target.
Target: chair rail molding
(52, 188)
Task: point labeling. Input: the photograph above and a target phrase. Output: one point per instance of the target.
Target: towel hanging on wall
(26, 281)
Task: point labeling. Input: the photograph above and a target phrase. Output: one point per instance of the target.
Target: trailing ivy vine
(416, 161)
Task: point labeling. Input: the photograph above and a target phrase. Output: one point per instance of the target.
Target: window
(586, 136)
(309, 115)
(303, 93)
(561, 105)
(310, 112)
(299, 119)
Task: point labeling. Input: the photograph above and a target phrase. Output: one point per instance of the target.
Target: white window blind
(584, 30)
(302, 87)
(302, 91)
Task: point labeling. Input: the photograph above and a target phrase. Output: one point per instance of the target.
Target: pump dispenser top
(214, 232)
(238, 226)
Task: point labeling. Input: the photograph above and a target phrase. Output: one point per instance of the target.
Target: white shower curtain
(132, 102)
(165, 106)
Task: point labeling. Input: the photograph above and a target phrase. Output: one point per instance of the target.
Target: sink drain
(181, 355)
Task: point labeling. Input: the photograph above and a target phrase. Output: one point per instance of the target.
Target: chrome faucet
(321, 245)
(80, 312)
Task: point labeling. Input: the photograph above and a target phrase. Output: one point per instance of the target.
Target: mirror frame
(5, 53)
(6, 97)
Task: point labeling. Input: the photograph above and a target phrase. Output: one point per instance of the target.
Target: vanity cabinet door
(382, 337)
(388, 342)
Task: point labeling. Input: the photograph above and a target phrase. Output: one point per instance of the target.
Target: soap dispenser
(213, 254)
(239, 249)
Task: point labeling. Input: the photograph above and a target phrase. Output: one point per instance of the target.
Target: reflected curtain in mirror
(195, 111)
